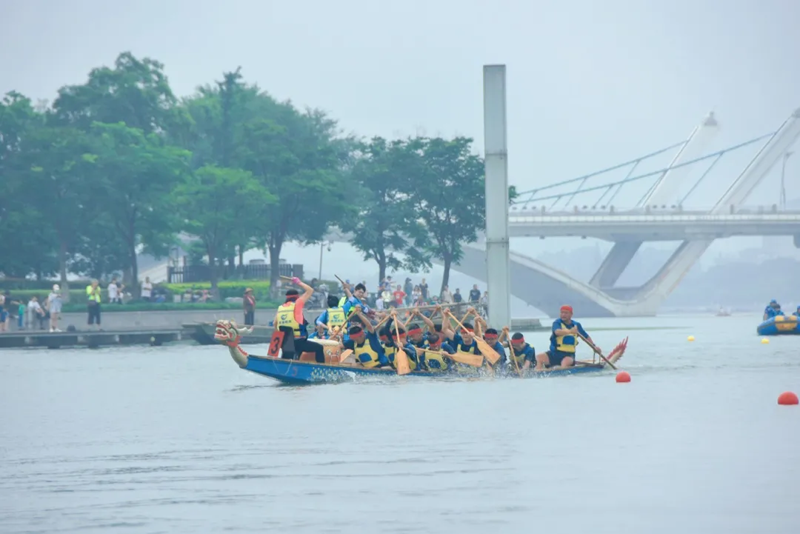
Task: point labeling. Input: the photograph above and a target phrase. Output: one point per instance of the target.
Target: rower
(334, 316)
(430, 358)
(408, 348)
(463, 341)
(522, 352)
(563, 342)
(291, 321)
(491, 337)
(366, 347)
(797, 313)
(416, 336)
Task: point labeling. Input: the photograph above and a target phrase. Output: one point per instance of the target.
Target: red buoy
(787, 398)
(623, 377)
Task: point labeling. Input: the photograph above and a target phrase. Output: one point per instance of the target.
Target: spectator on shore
(21, 315)
(36, 315)
(93, 303)
(54, 307)
(147, 289)
(446, 297)
(3, 312)
(474, 294)
(249, 305)
(457, 297)
(423, 287)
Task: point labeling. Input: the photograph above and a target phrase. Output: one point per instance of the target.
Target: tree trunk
(275, 247)
(446, 276)
(381, 259)
(62, 269)
(213, 275)
(241, 255)
(134, 270)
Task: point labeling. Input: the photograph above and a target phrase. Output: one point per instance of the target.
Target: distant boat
(780, 325)
(724, 312)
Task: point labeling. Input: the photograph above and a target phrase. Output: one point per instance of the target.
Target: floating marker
(690, 338)
(623, 377)
(764, 341)
(787, 398)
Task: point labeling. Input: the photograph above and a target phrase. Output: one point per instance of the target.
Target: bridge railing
(617, 210)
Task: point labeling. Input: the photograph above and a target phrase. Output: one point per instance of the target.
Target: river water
(177, 439)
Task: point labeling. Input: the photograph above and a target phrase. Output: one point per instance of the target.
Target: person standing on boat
(797, 313)
(563, 342)
(334, 316)
(291, 321)
(356, 298)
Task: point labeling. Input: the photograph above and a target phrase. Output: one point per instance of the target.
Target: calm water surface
(178, 439)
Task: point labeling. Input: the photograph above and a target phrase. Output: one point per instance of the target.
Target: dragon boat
(779, 326)
(336, 368)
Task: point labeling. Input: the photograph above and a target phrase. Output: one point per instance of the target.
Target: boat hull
(297, 372)
(779, 326)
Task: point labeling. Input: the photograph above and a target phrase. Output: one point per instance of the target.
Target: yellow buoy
(690, 338)
(764, 341)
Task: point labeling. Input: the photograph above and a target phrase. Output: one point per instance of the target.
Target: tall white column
(496, 165)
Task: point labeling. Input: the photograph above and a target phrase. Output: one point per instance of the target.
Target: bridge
(659, 215)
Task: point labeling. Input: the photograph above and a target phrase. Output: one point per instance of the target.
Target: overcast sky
(590, 83)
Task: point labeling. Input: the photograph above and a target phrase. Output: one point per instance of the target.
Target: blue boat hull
(297, 372)
(779, 326)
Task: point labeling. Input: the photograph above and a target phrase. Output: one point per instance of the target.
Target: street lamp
(321, 245)
(783, 183)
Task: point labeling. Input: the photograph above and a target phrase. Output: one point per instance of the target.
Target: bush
(140, 306)
(227, 288)
(23, 284)
(76, 296)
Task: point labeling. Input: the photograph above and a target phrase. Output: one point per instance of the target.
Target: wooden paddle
(488, 352)
(400, 356)
(594, 348)
(511, 351)
(474, 360)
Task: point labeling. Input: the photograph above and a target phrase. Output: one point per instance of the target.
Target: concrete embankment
(174, 319)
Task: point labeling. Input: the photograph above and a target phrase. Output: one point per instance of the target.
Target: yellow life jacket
(566, 343)
(391, 350)
(520, 358)
(435, 362)
(466, 349)
(336, 317)
(366, 355)
(89, 295)
(285, 317)
(342, 301)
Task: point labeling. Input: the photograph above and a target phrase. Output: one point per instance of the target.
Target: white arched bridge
(658, 216)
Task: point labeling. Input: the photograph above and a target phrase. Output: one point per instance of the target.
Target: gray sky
(590, 83)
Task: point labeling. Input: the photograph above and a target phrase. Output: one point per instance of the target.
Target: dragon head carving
(227, 333)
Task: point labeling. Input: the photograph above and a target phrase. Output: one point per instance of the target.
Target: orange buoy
(623, 377)
(787, 398)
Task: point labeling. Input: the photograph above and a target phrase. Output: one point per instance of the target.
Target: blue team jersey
(558, 324)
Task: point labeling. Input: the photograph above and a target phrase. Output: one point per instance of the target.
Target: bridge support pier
(797, 241)
(498, 279)
(615, 263)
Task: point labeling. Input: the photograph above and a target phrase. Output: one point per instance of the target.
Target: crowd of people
(374, 337)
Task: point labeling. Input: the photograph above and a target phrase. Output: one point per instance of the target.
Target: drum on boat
(330, 347)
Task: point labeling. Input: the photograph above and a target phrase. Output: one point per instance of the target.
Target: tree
(136, 174)
(216, 205)
(25, 236)
(445, 189)
(297, 158)
(135, 92)
(382, 226)
(57, 167)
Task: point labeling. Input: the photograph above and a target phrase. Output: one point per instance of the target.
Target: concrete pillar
(496, 167)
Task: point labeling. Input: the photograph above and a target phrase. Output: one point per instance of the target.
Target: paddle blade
(488, 351)
(401, 361)
(475, 360)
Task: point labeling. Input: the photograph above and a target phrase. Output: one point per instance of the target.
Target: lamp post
(782, 200)
(321, 246)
